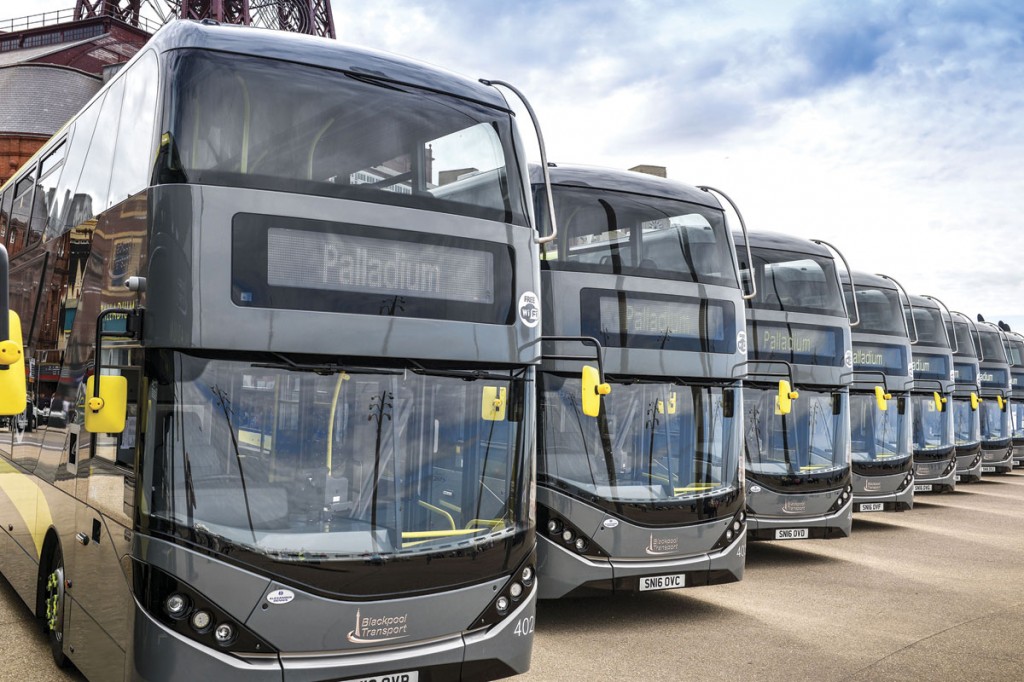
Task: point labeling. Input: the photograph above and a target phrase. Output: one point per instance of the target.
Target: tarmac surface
(936, 593)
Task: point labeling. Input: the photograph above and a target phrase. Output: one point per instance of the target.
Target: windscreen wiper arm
(326, 368)
(467, 374)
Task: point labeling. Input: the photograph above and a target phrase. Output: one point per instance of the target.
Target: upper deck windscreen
(794, 282)
(1015, 351)
(632, 234)
(880, 310)
(931, 330)
(244, 121)
(961, 331)
(992, 346)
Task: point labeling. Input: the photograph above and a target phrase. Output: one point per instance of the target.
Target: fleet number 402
(525, 626)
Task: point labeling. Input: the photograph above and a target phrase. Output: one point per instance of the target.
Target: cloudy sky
(892, 128)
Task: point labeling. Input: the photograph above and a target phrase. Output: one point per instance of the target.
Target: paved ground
(936, 593)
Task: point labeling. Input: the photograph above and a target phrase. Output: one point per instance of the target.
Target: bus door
(105, 489)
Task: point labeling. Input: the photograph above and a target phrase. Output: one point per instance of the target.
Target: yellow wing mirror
(939, 401)
(13, 393)
(784, 400)
(593, 389)
(882, 398)
(106, 412)
(975, 401)
(1002, 403)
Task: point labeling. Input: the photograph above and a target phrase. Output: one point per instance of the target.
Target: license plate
(872, 506)
(411, 676)
(923, 488)
(988, 470)
(663, 582)
(792, 534)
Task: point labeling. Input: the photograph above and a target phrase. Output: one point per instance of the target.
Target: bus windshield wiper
(467, 374)
(326, 368)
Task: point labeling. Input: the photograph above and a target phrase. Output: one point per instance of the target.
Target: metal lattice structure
(313, 17)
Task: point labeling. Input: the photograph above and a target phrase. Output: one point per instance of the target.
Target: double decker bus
(881, 454)
(966, 400)
(995, 379)
(796, 396)
(1015, 354)
(291, 288)
(649, 495)
(934, 449)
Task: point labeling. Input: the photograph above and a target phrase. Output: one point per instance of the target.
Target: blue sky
(893, 129)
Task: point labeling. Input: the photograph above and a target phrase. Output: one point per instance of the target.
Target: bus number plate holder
(792, 533)
(410, 676)
(662, 582)
(923, 488)
(988, 470)
(872, 506)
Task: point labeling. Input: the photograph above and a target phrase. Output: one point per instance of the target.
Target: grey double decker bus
(289, 290)
(1015, 354)
(934, 449)
(966, 400)
(880, 420)
(995, 379)
(649, 495)
(796, 396)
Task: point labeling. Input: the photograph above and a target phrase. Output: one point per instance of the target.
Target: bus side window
(46, 191)
(20, 212)
(70, 208)
(136, 138)
(5, 213)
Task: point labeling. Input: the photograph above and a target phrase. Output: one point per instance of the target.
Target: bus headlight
(554, 527)
(516, 590)
(224, 634)
(201, 621)
(567, 536)
(527, 575)
(581, 544)
(502, 604)
(176, 605)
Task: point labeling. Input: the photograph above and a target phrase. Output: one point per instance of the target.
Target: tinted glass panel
(810, 440)
(5, 213)
(880, 310)
(70, 207)
(992, 346)
(615, 232)
(965, 338)
(95, 179)
(794, 282)
(932, 428)
(966, 423)
(931, 330)
(135, 136)
(879, 435)
(46, 193)
(249, 122)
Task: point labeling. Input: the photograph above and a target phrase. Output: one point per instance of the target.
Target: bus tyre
(53, 617)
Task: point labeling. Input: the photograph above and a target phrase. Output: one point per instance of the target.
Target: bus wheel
(54, 600)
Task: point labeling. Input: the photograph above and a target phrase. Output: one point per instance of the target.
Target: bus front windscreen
(879, 435)
(312, 463)
(933, 427)
(1016, 409)
(881, 311)
(631, 234)
(966, 423)
(794, 282)
(995, 421)
(810, 440)
(652, 442)
(928, 324)
(251, 122)
(965, 339)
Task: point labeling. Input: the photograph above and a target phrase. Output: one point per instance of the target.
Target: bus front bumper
(838, 524)
(883, 493)
(968, 468)
(997, 461)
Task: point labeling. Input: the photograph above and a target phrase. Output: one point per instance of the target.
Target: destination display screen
(289, 263)
(965, 373)
(880, 357)
(640, 320)
(1016, 380)
(320, 260)
(993, 378)
(803, 344)
(931, 367)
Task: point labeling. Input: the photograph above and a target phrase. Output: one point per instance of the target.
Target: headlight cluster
(518, 588)
(184, 610)
(949, 468)
(908, 481)
(732, 531)
(561, 532)
(843, 498)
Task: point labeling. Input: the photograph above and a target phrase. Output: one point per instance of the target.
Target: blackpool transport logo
(662, 545)
(384, 629)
